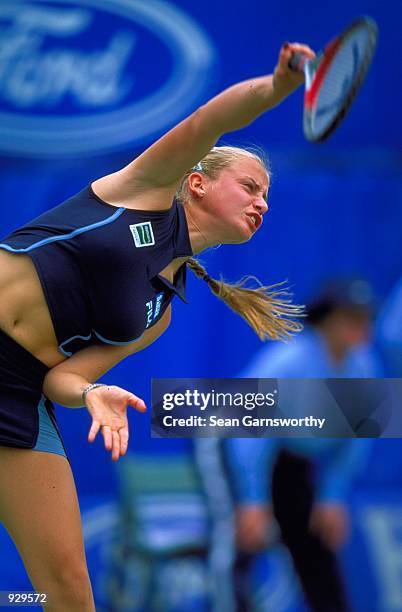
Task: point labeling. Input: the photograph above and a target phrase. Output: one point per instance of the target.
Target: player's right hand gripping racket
(334, 77)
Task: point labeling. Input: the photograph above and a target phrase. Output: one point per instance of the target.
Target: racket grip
(297, 62)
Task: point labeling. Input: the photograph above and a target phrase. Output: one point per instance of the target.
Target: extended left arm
(165, 162)
(161, 167)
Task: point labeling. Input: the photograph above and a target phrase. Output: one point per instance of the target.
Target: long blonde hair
(267, 309)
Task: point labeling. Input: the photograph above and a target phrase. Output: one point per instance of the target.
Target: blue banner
(90, 78)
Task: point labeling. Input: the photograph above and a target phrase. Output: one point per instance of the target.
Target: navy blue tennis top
(99, 267)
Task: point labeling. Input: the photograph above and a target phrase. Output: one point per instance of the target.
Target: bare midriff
(24, 314)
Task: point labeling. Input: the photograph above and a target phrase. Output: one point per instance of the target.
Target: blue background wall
(334, 208)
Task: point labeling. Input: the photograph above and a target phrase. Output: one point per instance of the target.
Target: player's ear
(196, 184)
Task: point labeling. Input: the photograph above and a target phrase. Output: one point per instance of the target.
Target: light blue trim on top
(48, 438)
(68, 353)
(115, 342)
(72, 234)
(100, 337)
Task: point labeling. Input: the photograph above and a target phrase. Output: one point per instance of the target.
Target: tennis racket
(334, 77)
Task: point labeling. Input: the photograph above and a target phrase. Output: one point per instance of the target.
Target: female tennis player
(90, 282)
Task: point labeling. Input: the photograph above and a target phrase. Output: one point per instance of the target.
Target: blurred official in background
(303, 483)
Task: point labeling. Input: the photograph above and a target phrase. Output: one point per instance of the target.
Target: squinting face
(238, 200)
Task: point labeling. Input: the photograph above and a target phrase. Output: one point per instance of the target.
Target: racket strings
(343, 70)
(343, 78)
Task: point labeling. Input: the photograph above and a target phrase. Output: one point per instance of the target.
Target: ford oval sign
(87, 77)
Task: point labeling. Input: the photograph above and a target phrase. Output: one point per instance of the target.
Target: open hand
(108, 409)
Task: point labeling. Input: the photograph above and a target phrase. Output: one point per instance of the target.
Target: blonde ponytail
(268, 310)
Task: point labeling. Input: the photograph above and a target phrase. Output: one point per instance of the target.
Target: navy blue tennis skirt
(27, 417)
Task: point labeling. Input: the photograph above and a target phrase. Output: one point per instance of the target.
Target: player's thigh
(39, 508)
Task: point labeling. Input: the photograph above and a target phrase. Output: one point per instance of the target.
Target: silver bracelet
(89, 388)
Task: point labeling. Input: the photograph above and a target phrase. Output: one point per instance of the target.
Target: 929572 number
(22, 598)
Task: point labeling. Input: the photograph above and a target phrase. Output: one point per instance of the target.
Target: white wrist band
(88, 389)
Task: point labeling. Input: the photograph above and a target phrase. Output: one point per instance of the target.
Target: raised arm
(164, 163)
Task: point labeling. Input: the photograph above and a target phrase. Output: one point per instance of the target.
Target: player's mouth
(254, 219)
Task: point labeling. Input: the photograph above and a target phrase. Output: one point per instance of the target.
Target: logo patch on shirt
(142, 234)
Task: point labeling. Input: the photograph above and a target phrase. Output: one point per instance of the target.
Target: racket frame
(316, 70)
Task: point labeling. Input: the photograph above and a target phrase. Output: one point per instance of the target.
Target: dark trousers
(315, 564)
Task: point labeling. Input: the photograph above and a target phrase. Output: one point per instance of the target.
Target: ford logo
(96, 76)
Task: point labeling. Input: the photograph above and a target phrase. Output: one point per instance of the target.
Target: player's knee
(69, 582)
(74, 578)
